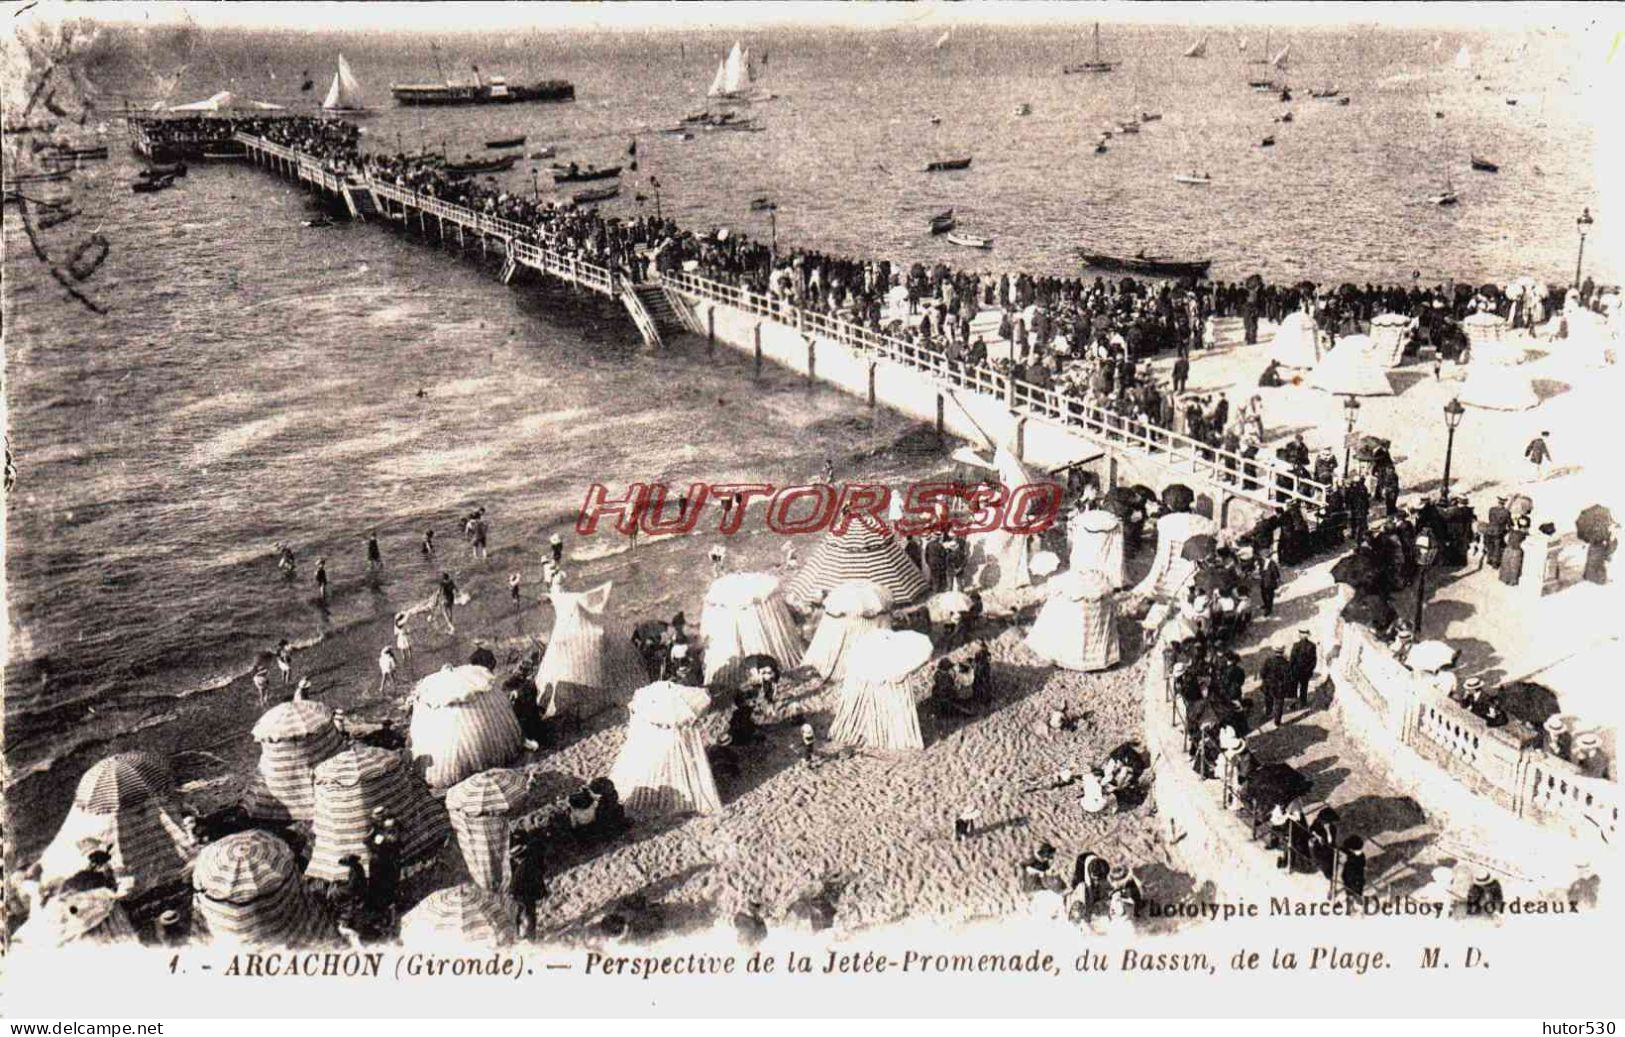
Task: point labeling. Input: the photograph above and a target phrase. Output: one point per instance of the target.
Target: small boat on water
(1286, 116)
(150, 186)
(1344, 101)
(1267, 142)
(1100, 146)
(1024, 109)
(1093, 65)
(596, 194)
(319, 222)
(969, 240)
(37, 178)
(472, 166)
(573, 173)
(947, 165)
(1329, 91)
(507, 142)
(942, 222)
(540, 153)
(1141, 263)
(1512, 101)
(761, 203)
(1444, 198)
(1150, 116)
(1484, 165)
(1192, 178)
(936, 120)
(1129, 126)
(1263, 85)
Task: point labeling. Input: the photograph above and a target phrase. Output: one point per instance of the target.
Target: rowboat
(1267, 142)
(152, 185)
(1094, 65)
(1330, 91)
(1129, 126)
(1100, 146)
(506, 142)
(1286, 116)
(762, 203)
(1484, 165)
(548, 152)
(1344, 101)
(947, 165)
(1024, 109)
(970, 240)
(481, 165)
(1150, 116)
(1444, 198)
(942, 222)
(1143, 264)
(574, 174)
(596, 194)
(1262, 84)
(170, 169)
(1192, 178)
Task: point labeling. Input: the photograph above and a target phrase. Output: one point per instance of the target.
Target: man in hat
(1126, 895)
(1357, 502)
(1472, 689)
(1353, 874)
(1538, 453)
(1496, 523)
(527, 883)
(555, 545)
(1485, 896)
(1303, 658)
(1275, 682)
(1269, 581)
(1035, 870)
(482, 655)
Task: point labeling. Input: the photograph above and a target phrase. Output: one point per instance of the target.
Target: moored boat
(149, 186)
(344, 96)
(1024, 109)
(170, 169)
(481, 165)
(1143, 264)
(1192, 178)
(947, 165)
(1100, 146)
(942, 222)
(596, 194)
(1328, 91)
(1150, 116)
(1484, 165)
(1096, 64)
(507, 142)
(548, 151)
(1267, 142)
(573, 173)
(1262, 85)
(1129, 126)
(496, 90)
(969, 240)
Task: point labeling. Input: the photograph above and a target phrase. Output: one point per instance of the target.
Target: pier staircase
(664, 313)
(643, 302)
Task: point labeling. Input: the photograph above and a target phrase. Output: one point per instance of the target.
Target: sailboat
(942, 41)
(1095, 65)
(1197, 49)
(734, 77)
(345, 94)
(1279, 60)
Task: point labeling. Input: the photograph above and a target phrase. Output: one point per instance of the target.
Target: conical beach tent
(1351, 369)
(93, 916)
(459, 915)
(745, 615)
(877, 708)
(123, 805)
(1170, 571)
(247, 890)
(1495, 380)
(1297, 344)
(1077, 627)
(294, 737)
(851, 609)
(998, 560)
(861, 553)
(662, 767)
(462, 724)
(482, 810)
(348, 787)
(226, 101)
(1388, 333)
(1096, 536)
(584, 671)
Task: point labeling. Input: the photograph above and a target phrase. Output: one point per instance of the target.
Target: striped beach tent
(93, 916)
(459, 915)
(348, 787)
(1388, 336)
(861, 553)
(876, 709)
(482, 810)
(123, 805)
(246, 889)
(1077, 627)
(1096, 536)
(1170, 571)
(294, 737)
(584, 671)
(462, 723)
(851, 609)
(744, 615)
(662, 767)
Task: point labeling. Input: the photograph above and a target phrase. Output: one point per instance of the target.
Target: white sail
(1279, 61)
(345, 93)
(1464, 57)
(1198, 49)
(1242, 45)
(733, 75)
(942, 41)
(719, 79)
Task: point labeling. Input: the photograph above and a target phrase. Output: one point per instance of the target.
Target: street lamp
(654, 182)
(1351, 414)
(536, 184)
(1582, 223)
(1453, 412)
(1426, 551)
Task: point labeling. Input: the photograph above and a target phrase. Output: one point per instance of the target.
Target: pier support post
(711, 331)
(812, 359)
(872, 367)
(757, 336)
(1021, 439)
(942, 423)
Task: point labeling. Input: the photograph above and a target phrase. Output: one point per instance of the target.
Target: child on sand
(403, 642)
(262, 686)
(513, 587)
(386, 669)
(284, 660)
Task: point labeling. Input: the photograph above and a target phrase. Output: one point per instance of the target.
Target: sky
(878, 14)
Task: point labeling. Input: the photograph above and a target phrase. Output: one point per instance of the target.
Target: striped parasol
(662, 767)
(482, 809)
(247, 890)
(93, 916)
(348, 787)
(746, 615)
(294, 737)
(462, 724)
(851, 610)
(459, 914)
(583, 671)
(861, 553)
(121, 781)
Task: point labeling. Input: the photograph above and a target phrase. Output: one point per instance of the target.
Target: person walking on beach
(448, 600)
(375, 557)
(284, 661)
(386, 669)
(428, 544)
(403, 644)
(719, 558)
(513, 588)
(1538, 453)
(262, 686)
(555, 545)
(303, 690)
(285, 562)
(321, 581)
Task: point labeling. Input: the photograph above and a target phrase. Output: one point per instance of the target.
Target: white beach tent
(1077, 627)
(1351, 369)
(1495, 378)
(462, 724)
(851, 610)
(876, 708)
(1389, 332)
(226, 101)
(584, 671)
(123, 805)
(662, 767)
(745, 614)
(1096, 537)
(1297, 343)
(1170, 571)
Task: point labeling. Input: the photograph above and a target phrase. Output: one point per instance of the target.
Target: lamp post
(1453, 412)
(1351, 414)
(654, 182)
(1426, 551)
(536, 184)
(1582, 223)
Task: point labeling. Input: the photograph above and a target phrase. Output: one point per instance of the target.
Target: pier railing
(1259, 478)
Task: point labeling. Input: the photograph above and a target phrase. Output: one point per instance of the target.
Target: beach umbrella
(482, 808)
(1595, 525)
(1178, 497)
(1430, 656)
(120, 781)
(294, 737)
(459, 914)
(1528, 701)
(247, 889)
(851, 610)
(349, 786)
(1357, 570)
(745, 614)
(1372, 610)
(1199, 547)
(91, 916)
